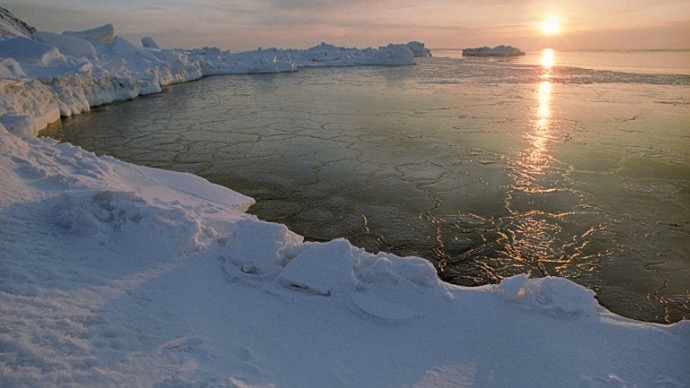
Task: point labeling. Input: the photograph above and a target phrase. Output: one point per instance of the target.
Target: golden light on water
(543, 104)
(533, 239)
(544, 92)
(536, 157)
(548, 57)
(539, 157)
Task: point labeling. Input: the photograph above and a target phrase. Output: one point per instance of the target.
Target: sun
(550, 26)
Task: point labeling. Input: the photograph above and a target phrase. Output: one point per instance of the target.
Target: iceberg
(498, 51)
(114, 274)
(418, 49)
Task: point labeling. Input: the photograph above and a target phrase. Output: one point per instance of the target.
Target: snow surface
(113, 274)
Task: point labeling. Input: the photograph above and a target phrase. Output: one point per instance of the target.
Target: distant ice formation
(418, 49)
(498, 51)
(149, 42)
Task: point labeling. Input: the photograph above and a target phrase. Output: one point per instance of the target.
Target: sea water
(550, 164)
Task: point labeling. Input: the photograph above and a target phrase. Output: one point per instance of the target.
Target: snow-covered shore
(113, 274)
(66, 74)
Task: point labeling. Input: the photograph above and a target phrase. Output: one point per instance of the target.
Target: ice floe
(498, 51)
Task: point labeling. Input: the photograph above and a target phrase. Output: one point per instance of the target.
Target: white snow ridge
(113, 274)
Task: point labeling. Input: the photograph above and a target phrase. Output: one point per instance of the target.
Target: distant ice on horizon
(498, 51)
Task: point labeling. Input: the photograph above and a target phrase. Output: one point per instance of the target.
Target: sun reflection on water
(532, 236)
(536, 156)
(543, 105)
(547, 58)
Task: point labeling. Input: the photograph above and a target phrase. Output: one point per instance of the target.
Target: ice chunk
(549, 294)
(149, 42)
(388, 268)
(103, 34)
(322, 268)
(67, 45)
(260, 247)
(418, 49)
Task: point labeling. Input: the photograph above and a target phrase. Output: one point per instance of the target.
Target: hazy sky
(243, 25)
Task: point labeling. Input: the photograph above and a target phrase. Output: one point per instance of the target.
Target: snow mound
(335, 268)
(549, 294)
(30, 51)
(124, 220)
(498, 51)
(27, 105)
(11, 69)
(249, 251)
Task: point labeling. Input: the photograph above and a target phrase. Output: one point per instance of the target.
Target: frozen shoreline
(116, 274)
(63, 75)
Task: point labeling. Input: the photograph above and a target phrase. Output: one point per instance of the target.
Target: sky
(246, 25)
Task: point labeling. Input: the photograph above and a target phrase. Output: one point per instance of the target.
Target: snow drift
(113, 274)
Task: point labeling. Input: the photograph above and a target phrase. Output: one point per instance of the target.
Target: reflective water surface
(486, 168)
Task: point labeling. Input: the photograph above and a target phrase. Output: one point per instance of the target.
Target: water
(488, 168)
(631, 61)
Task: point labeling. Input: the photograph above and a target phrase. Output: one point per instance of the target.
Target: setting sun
(550, 26)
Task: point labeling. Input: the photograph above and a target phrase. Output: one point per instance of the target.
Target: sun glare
(550, 26)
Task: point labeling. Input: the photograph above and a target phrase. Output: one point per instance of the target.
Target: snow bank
(113, 274)
(498, 51)
(213, 61)
(82, 69)
(51, 75)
